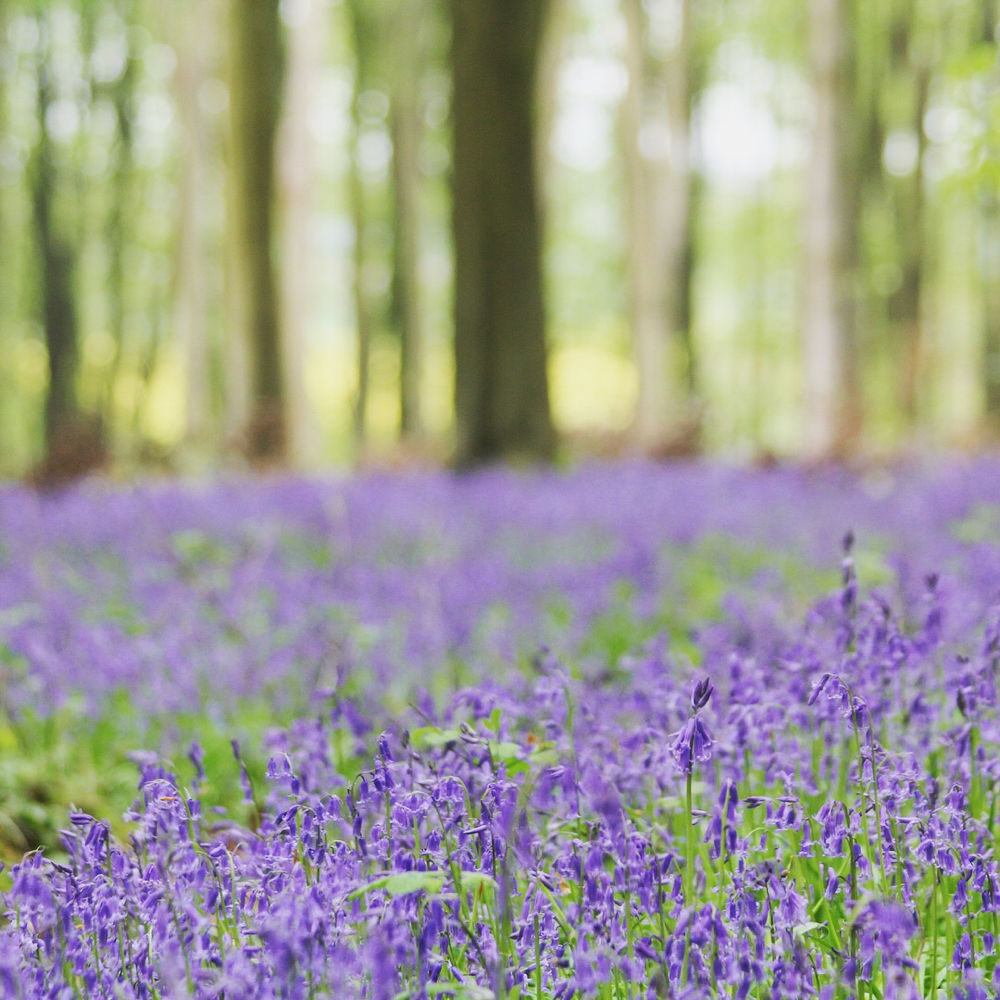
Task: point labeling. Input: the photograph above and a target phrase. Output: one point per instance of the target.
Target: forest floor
(631, 729)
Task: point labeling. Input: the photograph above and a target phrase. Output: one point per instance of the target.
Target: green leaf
(474, 881)
(506, 751)
(431, 737)
(403, 883)
(493, 722)
(801, 930)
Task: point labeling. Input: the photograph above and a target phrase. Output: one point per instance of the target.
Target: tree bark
(550, 60)
(658, 189)
(190, 294)
(832, 404)
(364, 322)
(406, 127)
(685, 291)
(255, 100)
(989, 254)
(56, 267)
(297, 170)
(123, 101)
(501, 385)
(905, 306)
(364, 318)
(699, 50)
(989, 266)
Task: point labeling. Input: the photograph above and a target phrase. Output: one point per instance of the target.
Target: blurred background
(321, 232)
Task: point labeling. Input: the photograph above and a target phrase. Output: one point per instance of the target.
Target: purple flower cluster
(187, 597)
(791, 799)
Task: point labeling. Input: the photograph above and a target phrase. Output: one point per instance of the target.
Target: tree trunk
(832, 406)
(297, 162)
(364, 318)
(122, 202)
(685, 290)
(761, 398)
(906, 304)
(57, 263)
(550, 61)
(699, 56)
(364, 321)
(190, 294)
(405, 123)
(255, 100)
(989, 266)
(501, 384)
(658, 183)
(989, 255)
(11, 428)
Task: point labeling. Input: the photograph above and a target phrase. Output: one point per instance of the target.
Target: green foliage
(403, 883)
(49, 764)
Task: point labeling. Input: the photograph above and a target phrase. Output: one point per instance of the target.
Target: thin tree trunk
(830, 238)
(501, 385)
(910, 226)
(650, 338)
(686, 289)
(362, 308)
(298, 171)
(255, 94)
(405, 123)
(190, 294)
(148, 359)
(364, 319)
(989, 266)
(236, 381)
(8, 385)
(74, 441)
(658, 195)
(684, 78)
(989, 255)
(57, 263)
(761, 395)
(699, 56)
(117, 225)
(906, 69)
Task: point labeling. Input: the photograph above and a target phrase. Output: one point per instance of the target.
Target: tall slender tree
(122, 96)
(190, 286)
(7, 282)
(656, 138)
(255, 100)
(57, 256)
(363, 26)
(501, 386)
(989, 253)
(892, 103)
(700, 44)
(406, 126)
(989, 266)
(908, 196)
(297, 162)
(833, 205)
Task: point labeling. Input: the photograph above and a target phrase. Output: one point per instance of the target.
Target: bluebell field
(628, 731)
